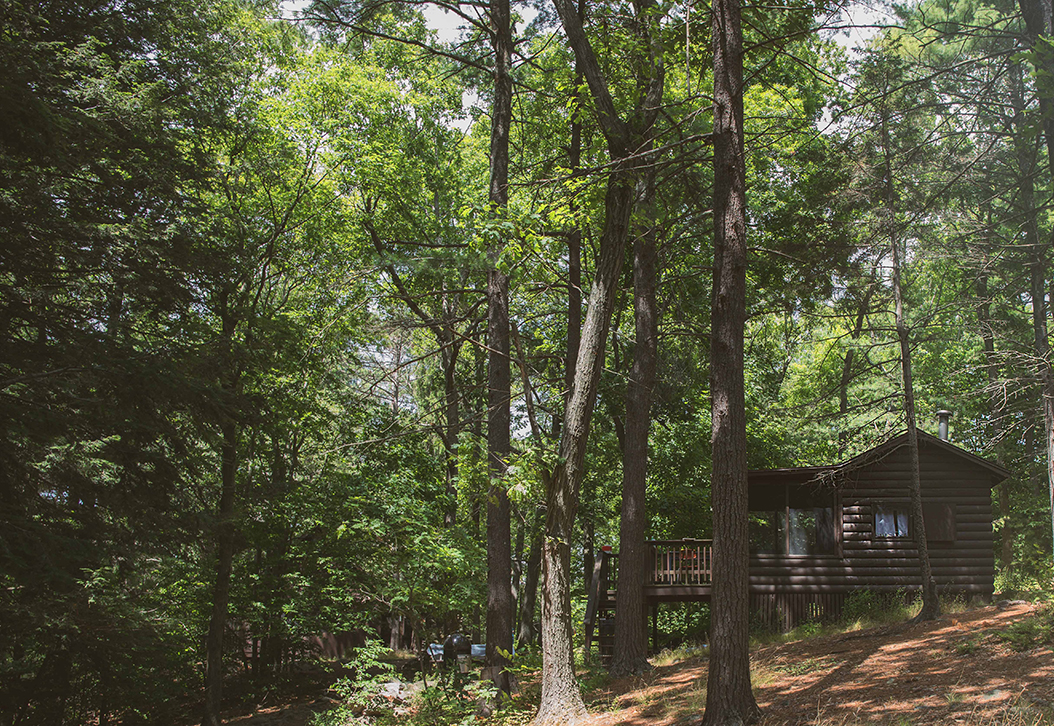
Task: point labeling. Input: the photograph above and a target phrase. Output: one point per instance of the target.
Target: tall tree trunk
(500, 605)
(729, 698)
(526, 634)
(517, 554)
(1038, 252)
(574, 293)
(224, 562)
(930, 604)
(984, 319)
(1037, 268)
(1039, 23)
(574, 242)
(561, 701)
(631, 624)
(452, 428)
(475, 507)
(1039, 18)
(850, 361)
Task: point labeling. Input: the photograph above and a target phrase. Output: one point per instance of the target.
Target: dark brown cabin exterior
(818, 534)
(871, 546)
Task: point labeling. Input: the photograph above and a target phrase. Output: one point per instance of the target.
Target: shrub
(686, 622)
(868, 606)
(1031, 632)
(361, 696)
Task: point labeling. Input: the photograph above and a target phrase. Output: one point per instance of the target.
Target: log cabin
(820, 533)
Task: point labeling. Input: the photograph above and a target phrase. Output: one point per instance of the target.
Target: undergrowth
(1030, 632)
(683, 652)
(373, 696)
(862, 609)
(1022, 712)
(1036, 581)
(451, 698)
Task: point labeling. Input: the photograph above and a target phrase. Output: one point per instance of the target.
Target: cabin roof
(833, 473)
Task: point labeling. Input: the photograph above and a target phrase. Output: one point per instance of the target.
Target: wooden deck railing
(674, 562)
(682, 561)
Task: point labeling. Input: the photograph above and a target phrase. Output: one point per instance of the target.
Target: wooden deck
(681, 571)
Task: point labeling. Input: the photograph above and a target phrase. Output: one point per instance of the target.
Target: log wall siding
(786, 588)
(965, 564)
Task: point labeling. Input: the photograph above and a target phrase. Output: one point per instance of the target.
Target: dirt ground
(955, 670)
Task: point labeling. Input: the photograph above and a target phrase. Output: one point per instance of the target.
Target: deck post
(655, 628)
(596, 594)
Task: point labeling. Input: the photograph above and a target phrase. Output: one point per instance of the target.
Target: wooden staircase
(681, 571)
(600, 606)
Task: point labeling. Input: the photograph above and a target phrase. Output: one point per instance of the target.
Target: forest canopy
(254, 263)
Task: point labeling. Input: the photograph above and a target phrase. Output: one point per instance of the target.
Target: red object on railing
(605, 548)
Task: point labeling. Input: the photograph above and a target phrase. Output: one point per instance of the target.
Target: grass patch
(804, 631)
(867, 608)
(680, 654)
(803, 667)
(762, 675)
(1020, 713)
(1030, 632)
(693, 703)
(863, 609)
(967, 646)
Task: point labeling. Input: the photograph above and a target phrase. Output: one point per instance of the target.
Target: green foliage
(103, 108)
(865, 608)
(804, 667)
(683, 623)
(861, 604)
(452, 698)
(222, 231)
(967, 646)
(362, 696)
(1019, 581)
(671, 656)
(1031, 632)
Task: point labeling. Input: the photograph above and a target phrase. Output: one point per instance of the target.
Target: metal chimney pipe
(942, 424)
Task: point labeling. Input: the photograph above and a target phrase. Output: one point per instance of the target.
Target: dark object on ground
(455, 645)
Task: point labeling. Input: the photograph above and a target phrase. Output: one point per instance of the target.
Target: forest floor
(992, 665)
(981, 666)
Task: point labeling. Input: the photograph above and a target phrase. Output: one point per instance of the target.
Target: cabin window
(793, 531)
(767, 532)
(891, 521)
